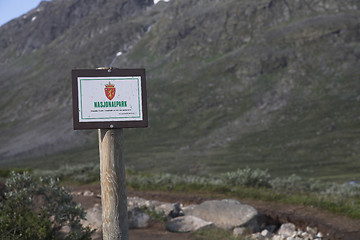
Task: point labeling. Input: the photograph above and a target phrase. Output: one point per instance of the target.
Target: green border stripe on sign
(111, 79)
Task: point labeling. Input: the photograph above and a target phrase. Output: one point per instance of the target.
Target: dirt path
(333, 227)
(156, 232)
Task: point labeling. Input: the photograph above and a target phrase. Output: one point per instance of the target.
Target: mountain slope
(36, 91)
(274, 87)
(269, 84)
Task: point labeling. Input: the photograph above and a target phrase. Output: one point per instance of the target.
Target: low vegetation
(32, 208)
(258, 184)
(340, 198)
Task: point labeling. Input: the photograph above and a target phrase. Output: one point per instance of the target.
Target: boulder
(165, 208)
(93, 220)
(189, 208)
(93, 217)
(187, 224)
(226, 214)
(138, 218)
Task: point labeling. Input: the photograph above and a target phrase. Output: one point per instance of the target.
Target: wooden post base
(113, 185)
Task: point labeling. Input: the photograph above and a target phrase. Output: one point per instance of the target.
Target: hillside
(271, 84)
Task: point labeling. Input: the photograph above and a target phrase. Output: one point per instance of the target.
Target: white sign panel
(110, 99)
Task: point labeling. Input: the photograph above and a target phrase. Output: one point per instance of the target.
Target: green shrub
(39, 210)
(290, 184)
(24, 224)
(344, 190)
(6, 172)
(80, 174)
(155, 215)
(247, 177)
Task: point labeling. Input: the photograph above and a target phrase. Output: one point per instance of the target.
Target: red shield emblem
(110, 91)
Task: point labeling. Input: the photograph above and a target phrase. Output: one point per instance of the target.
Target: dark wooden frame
(108, 72)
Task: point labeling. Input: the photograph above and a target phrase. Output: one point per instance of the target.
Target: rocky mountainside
(270, 83)
(38, 51)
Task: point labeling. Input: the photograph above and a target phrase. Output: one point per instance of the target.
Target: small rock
(239, 231)
(287, 230)
(292, 238)
(319, 235)
(187, 224)
(266, 233)
(304, 235)
(88, 194)
(312, 231)
(257, 236)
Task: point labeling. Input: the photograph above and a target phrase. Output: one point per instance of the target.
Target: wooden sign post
(113, 184)
(110, 99)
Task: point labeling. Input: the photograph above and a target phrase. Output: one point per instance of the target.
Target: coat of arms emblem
(110, 91)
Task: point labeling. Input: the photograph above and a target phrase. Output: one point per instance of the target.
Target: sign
(109, 98)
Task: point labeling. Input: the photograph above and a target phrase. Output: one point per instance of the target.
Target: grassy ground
(244, 183)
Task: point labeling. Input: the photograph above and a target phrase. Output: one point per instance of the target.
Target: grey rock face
(226, 214)
(187, 224)
(138, 218)
(165, 208)
(93, 217)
